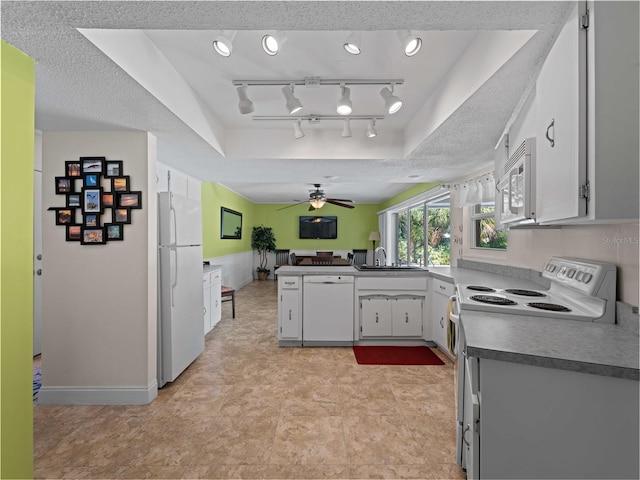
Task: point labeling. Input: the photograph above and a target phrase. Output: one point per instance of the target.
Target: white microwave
(515, 199)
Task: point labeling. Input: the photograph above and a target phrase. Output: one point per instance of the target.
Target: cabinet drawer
(216, 276)
(392, 283)
(444, 288)
(289, 283)
(206, 280)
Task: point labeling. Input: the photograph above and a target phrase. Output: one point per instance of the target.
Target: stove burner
(479, 288)
(492, 299)
(525, 293)
(549, 306)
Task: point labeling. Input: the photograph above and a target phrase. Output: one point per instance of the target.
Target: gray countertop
(586, 347)
(209, 268)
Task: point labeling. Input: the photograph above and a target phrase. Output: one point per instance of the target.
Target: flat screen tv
(319, 227)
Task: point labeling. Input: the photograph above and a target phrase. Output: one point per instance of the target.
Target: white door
(289, 314)
(406, 314)
(37, 261)
(375, 317)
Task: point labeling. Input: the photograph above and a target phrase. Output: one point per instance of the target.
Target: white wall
(100, 301)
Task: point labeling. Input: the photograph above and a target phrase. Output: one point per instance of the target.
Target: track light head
(223, 43)
(371, 128)
(410, 43)
(293, 104)
(391, 103)
(297, 129)
(272, 42)
(245, 105)
(352, 43)
(344, 104)
(346, 129)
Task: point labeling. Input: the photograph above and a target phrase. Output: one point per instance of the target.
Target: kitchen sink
(388, 268)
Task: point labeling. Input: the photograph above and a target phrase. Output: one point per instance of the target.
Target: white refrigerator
(180, 317)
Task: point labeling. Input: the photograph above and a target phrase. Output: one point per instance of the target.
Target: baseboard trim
(98, 395)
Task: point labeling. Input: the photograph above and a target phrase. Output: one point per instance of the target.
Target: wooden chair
(350, 258)
(282, 259)
(359, 257)
(322, 260)
(324, 254)
(226, 294)
(294, 261)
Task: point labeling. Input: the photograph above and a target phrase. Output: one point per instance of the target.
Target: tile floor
(247, 408)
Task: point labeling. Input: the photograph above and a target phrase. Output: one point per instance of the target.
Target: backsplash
(506, 270)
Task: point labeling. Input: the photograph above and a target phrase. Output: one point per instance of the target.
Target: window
(484, 230)
(413, 234)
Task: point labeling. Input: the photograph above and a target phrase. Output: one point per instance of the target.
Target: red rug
(371, 355)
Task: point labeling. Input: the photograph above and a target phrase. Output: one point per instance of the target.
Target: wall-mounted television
(230, 223)
(318, 227)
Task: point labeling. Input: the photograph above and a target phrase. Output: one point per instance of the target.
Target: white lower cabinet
(211, 289)
(387, 316)
(440, 294)
(289, 310)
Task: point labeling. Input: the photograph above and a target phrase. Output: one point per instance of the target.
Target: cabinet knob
(552, 140)
(406, 317)
(376, 318)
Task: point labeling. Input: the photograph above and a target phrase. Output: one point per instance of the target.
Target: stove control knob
(587, 277)
(571, 273)
(579, 276)
(551, 268)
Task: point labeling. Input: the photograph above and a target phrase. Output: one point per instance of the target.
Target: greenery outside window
(413, 234)
(484, 231)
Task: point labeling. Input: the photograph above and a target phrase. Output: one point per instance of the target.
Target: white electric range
(579, 290)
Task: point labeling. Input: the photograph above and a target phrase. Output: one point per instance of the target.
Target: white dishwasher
(327, 310)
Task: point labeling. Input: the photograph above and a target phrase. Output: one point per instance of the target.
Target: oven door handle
(454, 316)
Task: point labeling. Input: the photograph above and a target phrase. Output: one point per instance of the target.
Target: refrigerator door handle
(174, 283)
(175, 225)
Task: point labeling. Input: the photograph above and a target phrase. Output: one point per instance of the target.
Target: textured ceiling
(78, 87)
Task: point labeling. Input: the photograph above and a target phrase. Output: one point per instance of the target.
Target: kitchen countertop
(585, 347)
(209, 268)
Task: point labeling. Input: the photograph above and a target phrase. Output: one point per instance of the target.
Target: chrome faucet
(375, 255)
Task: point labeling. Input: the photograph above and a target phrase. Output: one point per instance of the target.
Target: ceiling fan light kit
(223, 43)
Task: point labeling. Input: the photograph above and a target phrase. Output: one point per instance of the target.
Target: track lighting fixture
(245, 105)
(272, 42)
(297, 129)
(223, 43)
(344, 104)
(293, 104)
(410, 43)
(353, 42)
(371, 128)
(346, 129)
(391, 103)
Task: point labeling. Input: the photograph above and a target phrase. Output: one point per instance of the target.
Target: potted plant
(263, 240)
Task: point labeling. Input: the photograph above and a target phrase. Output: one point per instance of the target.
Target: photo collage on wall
(99, 200)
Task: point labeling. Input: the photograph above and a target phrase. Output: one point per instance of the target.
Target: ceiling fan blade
(311, 208)
(339, 200)
(292, 205)
(340, 204)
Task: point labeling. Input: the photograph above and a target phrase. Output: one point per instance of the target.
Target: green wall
(354, 225)
(17, 94)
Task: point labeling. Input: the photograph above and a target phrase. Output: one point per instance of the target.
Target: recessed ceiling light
(223, 43)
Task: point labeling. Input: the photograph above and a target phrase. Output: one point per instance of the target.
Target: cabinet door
(439, 319)
(216, 297)
(289, 314)
(208, 325)
(406, 314)
(471, 424)
(561, 138)
(375, 317)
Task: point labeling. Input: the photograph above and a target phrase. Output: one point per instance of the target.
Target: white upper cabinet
(561, 134)
(587, 110)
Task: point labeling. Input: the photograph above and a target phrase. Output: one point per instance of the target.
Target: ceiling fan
(317, 199)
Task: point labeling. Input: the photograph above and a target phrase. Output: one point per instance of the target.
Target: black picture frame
(121, 215)
(92, 164)
(114, 231)
(73, 200)
(91, 220)
(91, 180)
(113, 168)
(64, 185)
(120, 184)
(73, 168)
(230, 224)
(128, 200)
(65, 216)
(74, 233)
(93, 236)
(107, 199)
(92, 200)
